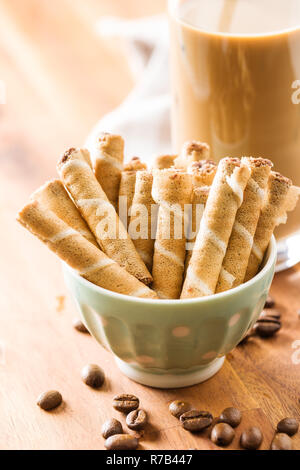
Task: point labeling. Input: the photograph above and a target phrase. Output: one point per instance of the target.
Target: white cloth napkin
(143, 119)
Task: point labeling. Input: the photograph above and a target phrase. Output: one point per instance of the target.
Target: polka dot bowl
(176, 343)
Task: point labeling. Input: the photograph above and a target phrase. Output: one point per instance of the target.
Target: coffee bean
(271, 313)
(196, 421)
(270, 302)
(121, 442)
(282, 442)
(231, 416)
(137, 420)
(111, 427)
(222, 434)
(49, 400)
(288, 426)
(267, 327)
(251, 439)
(126, 403)
(178, 408)
(79, 326)
(93, 376)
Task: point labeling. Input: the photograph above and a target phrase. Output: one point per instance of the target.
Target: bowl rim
(271, 259)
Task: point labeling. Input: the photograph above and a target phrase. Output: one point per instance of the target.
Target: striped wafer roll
(203, 173)
(192, 151)
(127, 187)
(70, 246)
(225, 197)
(240, 244)
(100, 215)
(108, 157)
(172, 189)
(163, 162)
(140, 226)
(273, 214)
(54, 197)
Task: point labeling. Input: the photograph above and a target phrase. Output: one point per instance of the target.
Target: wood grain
(61, 78)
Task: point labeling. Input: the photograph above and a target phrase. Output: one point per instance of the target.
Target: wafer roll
(127, 187)
(163, 162)
(140, 227)
(273, 214)
(100, 215)
(192, 151)
(54, 197)
(70, 246)
(172, 189)
(240, 244)
(203, 173)
(225, 197)
(108, 156)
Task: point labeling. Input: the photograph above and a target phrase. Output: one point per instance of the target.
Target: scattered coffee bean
(271, 313)
(251, 439)
(282, 442)
(288, 426)
(137, 420)
(79, 326)
(111, 427)
(270, 302)
(93, 376)
(49, 400)
(231, 416)
(126, 403)
(178, 408)
(222, 434)
(267, 327)
(196, 421)
(121, 442)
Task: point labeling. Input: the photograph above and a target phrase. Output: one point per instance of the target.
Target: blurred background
(59, 77)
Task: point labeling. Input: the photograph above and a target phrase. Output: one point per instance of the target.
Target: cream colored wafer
(225, 197)
(192, 151)
(240, 244)
(163, 162)
(203, 173)
(140, 227)
(70, 246)
(108, 157)
(127, 188)
(100, 215)
(54, 197)
(172, 189)
(273, 214)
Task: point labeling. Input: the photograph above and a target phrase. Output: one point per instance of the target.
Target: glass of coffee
(236, 85)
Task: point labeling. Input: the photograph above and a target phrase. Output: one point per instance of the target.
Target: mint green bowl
(172, 344)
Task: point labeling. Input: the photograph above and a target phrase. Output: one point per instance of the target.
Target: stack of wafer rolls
(70, 246)
(225, 198)
(172, 190)
(99, 214)
(142, 227)
(192, 151)
(163, 162)
(55, 198)
(127, 188)
(108, 157)
(241, 241)
(273, 214)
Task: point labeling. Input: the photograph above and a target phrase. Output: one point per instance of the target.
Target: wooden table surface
(60, 79)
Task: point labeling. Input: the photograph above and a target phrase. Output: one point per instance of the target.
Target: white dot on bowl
(210, 355)
(181, 331)
(145, 359)
(234, 320)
